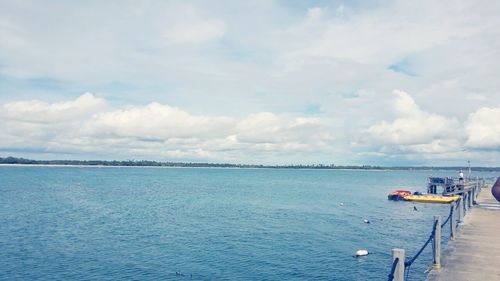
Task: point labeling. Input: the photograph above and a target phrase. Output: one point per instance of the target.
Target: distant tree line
(147, 163)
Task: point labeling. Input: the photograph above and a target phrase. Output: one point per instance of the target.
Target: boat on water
(398, 194)
(432, 198)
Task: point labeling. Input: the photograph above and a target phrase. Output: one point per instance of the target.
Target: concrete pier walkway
(475, 253)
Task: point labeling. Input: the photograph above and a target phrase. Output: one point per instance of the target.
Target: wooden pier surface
(475, 253)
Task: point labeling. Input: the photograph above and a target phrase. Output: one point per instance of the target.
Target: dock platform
(474, 254)
(452, 186)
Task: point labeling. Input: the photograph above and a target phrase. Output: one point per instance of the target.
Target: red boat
(398, 194)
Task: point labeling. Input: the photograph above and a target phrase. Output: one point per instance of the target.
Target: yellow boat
(432, 198)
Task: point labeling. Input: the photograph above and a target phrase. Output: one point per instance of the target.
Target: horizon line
(11, 160)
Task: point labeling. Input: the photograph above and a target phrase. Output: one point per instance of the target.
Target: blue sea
(92, 223)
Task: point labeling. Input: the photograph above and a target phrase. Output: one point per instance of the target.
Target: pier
(474, 254)
(473, 251)
(452, 186)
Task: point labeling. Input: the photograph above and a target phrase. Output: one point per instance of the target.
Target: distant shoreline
(189, 167)
(16, 162)
(198, 167)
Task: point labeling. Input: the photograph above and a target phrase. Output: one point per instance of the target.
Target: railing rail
(393, 269)
(412, 260)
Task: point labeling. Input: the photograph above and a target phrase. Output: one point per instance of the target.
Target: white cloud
(155, 121)
(268, 132)
(164, 128)
(195, 32)
(157, 131)
(41, 126)
(267, 127)
(483, 129)
(188, 26)
(413, 126)
(419, 135)
(315, 13)
(365, 37)
(10, 34)
(476, 97)
(36, 111)
(258, 65)
(88, 126)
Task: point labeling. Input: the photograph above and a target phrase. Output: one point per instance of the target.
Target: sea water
(91, 223)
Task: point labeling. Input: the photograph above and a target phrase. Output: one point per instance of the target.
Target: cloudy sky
(273, 82)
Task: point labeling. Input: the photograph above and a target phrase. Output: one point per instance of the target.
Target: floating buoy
(360, 253)
(367, 221)
(341, 204)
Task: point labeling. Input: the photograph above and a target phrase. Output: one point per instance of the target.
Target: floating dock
(474, 254)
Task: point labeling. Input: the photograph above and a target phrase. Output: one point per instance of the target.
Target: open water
(74, 223)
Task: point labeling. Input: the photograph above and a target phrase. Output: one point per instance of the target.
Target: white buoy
(341, 204)
(367, 221)
(360, 253)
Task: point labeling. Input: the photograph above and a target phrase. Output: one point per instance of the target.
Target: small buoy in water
(360, 253)
(341, 204)
(367, 221)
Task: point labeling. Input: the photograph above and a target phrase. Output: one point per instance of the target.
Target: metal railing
(400, 269)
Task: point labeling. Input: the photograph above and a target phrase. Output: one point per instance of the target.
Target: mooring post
(466, 201)
(470, 198)
(474, 196)
(461, 209)
(437, 243)
(465, 204)
(453, 220)
(399, 273)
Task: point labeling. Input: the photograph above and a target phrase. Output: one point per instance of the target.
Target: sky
(257, 82)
